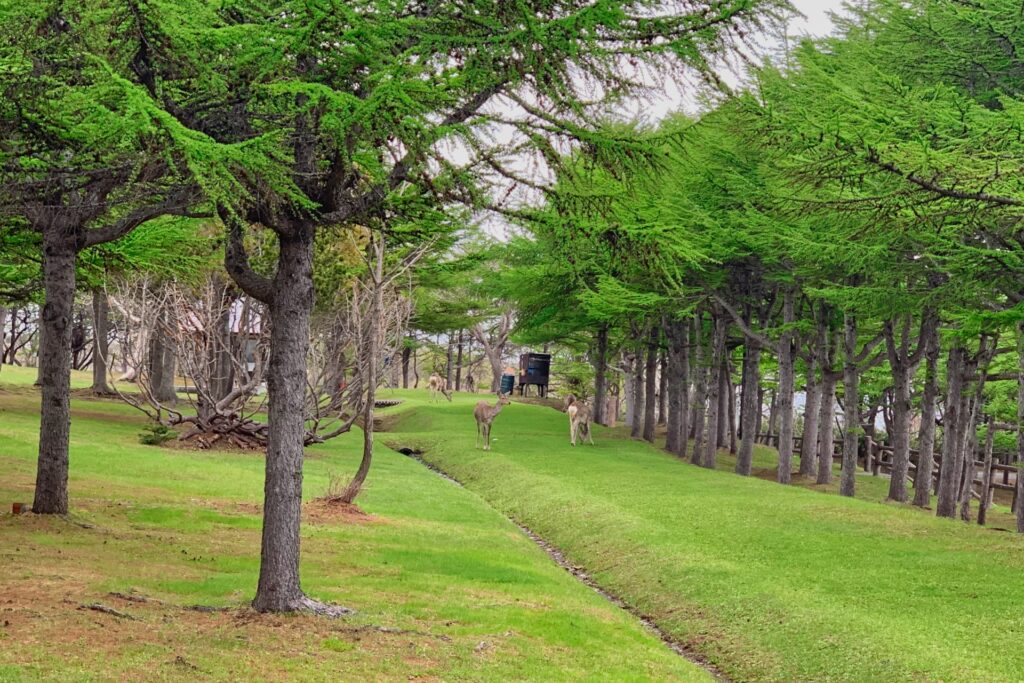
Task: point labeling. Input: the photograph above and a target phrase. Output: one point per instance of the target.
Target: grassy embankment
(445, 588)
(770, 582)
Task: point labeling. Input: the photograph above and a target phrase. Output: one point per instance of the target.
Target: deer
(580, 413)
(436, 384)
(485, 414)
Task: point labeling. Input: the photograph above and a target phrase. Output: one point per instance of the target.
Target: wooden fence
(877, 459)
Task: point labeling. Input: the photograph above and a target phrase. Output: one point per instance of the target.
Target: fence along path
(877, 458)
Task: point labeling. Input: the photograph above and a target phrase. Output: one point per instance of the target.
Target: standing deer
(485, 414)
(580, 413)
(436, 384)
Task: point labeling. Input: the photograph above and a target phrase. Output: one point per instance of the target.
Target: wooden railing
(877, 459)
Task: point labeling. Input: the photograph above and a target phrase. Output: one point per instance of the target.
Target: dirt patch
(324, 510)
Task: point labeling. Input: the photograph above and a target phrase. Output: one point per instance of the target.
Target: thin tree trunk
(723, 400)
(986, 477)
(759, 417)
(372, 352)
(773, 413)
(786, 389)
(970, 447)
(715, 383)
(3, 325)
(751, 409)
(458, 364)
(1019, 498)
(949, 480)
(926, 436)
(279, 589)
(628, 364)
(651, 387)
(901, 432)
(851, 406)
(637, 428)
(662, 388)
(731, 394)
(700, 391)
(406, 357)
(51, 494)
(601, 375)
(826, 426)
(449, 372)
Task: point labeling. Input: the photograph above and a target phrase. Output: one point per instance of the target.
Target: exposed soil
(334, 511)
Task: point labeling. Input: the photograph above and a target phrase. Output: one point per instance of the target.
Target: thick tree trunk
(714, 395)
(628, 364)
(949, 481)
(751, 409)
(970, 447)
(51, 494)
(812, 410)
(901, 433)
(100, 331)
(601, 375)
(926, 436)
(651, 388)
(637, 428)
(787, 381)
(678, 386)
(851, 407)
(826, 426)
(279, 589)
(162, 362)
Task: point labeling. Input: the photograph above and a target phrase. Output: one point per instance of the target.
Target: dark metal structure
(534, 370)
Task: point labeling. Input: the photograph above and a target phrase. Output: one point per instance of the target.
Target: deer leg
(590, 434)
(476, 444)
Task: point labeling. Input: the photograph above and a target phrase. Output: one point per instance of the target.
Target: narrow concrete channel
(580, 575)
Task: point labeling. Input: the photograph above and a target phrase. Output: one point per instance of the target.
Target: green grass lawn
(445, 587)
(772, 583)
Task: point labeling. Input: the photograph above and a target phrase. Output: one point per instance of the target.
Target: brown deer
(580, 413)
(485, 414)
(436, 384)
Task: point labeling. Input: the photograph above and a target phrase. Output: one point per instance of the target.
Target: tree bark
(449, 372)
(826, 426)
(406, 356)
(1020, 428)
(279, 589)
(637, 428)
(162, 363)
(51, 493)
(812, 409)
(700, 390)
(715, 383)
(731, 394)
(986, 477)
(651, 387)
(601, 375)
(458, 364)
(949, 480)
(3, 326)
(851, 406)
(677, 333)
(926, 435)
(784, 405)
(662, 388)
(100, 331)
(751, 409)
(724, 396)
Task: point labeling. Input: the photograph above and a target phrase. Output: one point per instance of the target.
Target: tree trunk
(449, 372)
(162, 363)
(637, 428)
(651, 388)
(700, 391)
(458, 364)
(926, 436)
(1019, 498)
(949, 481)
(51, 494)
(662, 389)
(279, 589)
(787, 381)
(3, 325)
(724, 396)
(600, 375)
(901, 432)
(678, 386)
(628, 363)
(751, 410)
(370, 379)
(851, 406)
(714, 395)
(100, 331)
(986, 477)
(406, 357)
(812, 409)
(826, 426)
(970, 446)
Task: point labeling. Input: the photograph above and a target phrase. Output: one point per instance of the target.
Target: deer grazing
(580, 413)
(485, 414)
(437, 384)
